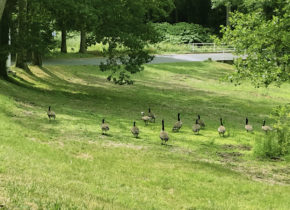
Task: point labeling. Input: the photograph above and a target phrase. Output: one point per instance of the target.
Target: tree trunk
(2, 6)
(63, 48)
(4, 37)
(228, 13)
(21, 56)
(83, 44)
(36, 59)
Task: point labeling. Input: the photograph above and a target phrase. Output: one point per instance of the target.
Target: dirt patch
(84, 156)
(229, 154)
(239, 147)
(265, 173)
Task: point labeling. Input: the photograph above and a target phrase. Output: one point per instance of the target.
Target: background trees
(262, 33)
(2, 6)
(4, 31)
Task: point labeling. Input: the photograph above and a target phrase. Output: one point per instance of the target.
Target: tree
(4, 30)
(21, 56)
(127, 24)
(2, 6)
(87, 17)
(228, 4)
(64, 15)
(40, 31)
(265, 40)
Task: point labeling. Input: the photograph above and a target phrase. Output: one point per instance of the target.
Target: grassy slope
(68, 163)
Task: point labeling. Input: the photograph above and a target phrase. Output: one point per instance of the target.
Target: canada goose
(266, 128)
(196, 127)
(105, 127)
(50, 113)
(163, 134)
(247, 126)
(222, 128)
(135, 130)
(200, 122)
(151, 115)
(146, 119)
(178, 124)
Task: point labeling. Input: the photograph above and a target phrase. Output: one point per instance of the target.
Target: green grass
(68, 164)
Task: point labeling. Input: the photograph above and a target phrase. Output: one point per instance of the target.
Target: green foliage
(182, 33)
(129, 31)
(265, 42)
(276, 143)
(68, 164)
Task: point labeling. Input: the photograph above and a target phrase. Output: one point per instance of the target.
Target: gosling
(266, 128)
(247, 126)
(222, 128)
(105, 127)
(50, 113)
(135, 130)
(196, 127)
(163, 134)
(178, 124)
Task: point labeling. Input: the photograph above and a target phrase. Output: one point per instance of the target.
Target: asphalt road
(157, 59)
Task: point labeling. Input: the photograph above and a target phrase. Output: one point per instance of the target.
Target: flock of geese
(150, 117)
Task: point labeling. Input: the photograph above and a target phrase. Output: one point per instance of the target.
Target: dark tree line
(117, 23)
(198, 12)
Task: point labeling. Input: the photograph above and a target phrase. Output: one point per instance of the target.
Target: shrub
(276, 143)
(182, 33)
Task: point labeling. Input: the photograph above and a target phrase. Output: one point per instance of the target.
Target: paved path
(157, 59)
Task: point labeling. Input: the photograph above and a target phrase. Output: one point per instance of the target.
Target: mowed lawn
(68, 164)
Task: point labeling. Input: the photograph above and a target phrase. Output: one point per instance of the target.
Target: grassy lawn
(68, 164)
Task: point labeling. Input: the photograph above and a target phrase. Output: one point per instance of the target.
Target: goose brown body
(105, 127)
(135, 130)
(50, 113)
(196, 127)
(151, 115)
(222, 128)
(146, 119)
(247, 126)
(163, 134)
(178, 124)
(200, 121)
(266, 128)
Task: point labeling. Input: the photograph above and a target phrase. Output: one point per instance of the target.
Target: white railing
(211, 48)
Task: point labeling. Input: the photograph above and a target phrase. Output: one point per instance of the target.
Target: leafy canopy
(265, 41)
(182, 33)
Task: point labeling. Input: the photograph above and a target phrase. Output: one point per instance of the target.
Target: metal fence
(211, 48)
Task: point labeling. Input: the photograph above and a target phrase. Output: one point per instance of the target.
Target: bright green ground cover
(67, 163)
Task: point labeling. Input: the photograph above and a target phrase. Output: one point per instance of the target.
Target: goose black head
(162, 125)
(49, 108)
(134, 124)
(103, 121)
(178, 116)
(247, 121)
(264, 122)
(221, 120)
(198, 116)
(149, 110)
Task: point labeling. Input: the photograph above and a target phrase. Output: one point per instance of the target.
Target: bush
(276, 143)
(182, 33)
